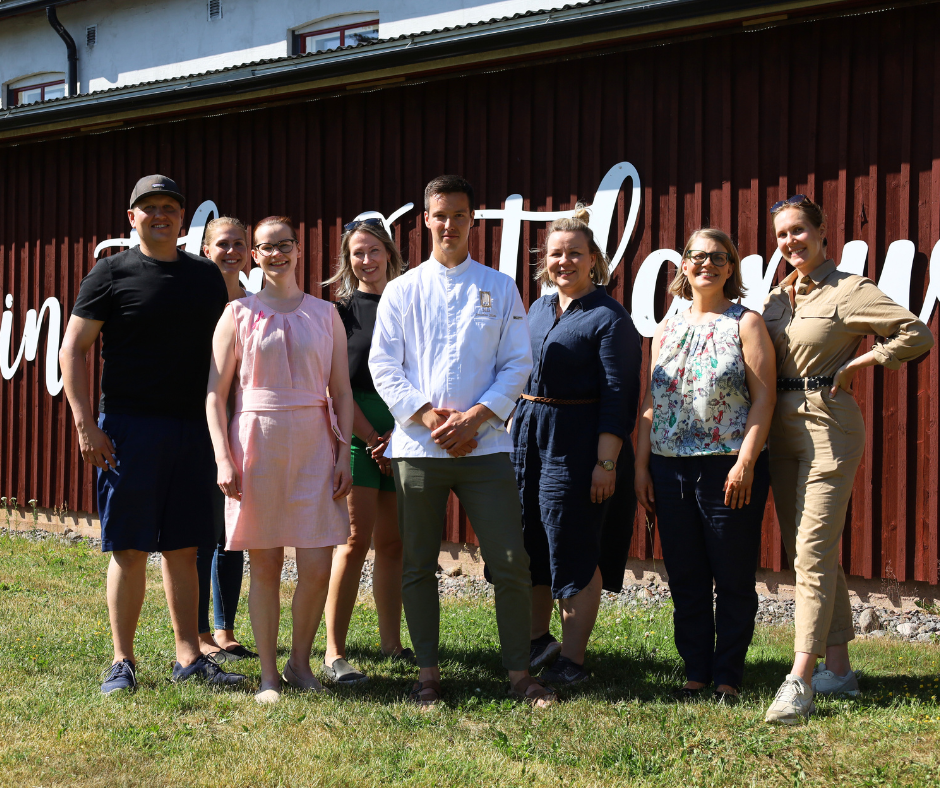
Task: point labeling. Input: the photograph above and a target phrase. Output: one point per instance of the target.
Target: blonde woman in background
(225, 244)
(369, 260)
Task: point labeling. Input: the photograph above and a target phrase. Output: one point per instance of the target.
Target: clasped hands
(453, 430)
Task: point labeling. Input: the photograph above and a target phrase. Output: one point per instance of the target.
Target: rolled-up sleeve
(618, 377)
(387, 358)
(513, 360)
(902, 337)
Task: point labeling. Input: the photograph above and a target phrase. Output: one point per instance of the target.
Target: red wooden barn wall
(845, 110)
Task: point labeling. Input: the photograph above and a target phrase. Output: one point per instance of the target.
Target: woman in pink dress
(284, 464)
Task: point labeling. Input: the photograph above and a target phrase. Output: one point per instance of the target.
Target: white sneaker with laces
(794, 702)
(825, 682)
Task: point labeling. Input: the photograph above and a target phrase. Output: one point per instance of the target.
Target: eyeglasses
(348, 228)
(796, 199)
(284, 247)
(698, 257)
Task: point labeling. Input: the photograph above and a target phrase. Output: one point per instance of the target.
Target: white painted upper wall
(145, 40)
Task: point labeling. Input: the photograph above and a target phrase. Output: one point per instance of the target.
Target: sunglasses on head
(796, 199)
(348, 228)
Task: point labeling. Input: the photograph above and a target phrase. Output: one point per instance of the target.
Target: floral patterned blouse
(700, 396)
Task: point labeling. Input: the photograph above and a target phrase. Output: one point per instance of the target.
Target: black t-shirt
(358, 315)
(157, 335)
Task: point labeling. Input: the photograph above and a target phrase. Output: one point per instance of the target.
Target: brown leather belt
(553, 401)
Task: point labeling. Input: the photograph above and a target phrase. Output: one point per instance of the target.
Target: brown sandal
(431, 686)
(545, 692)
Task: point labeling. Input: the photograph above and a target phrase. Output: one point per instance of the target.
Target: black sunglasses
(348, 228)
(796, 199)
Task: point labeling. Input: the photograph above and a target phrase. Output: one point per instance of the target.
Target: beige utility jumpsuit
(816, 323)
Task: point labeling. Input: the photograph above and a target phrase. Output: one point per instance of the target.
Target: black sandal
(431, 686)
(687, 694)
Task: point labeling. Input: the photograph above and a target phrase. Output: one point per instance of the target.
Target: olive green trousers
(486, 487)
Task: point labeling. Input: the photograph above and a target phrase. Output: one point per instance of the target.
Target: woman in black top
(368, 260)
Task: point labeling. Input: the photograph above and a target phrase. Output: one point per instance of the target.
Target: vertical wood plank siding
(846, 111)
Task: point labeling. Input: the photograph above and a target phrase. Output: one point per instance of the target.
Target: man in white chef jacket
(450, 356)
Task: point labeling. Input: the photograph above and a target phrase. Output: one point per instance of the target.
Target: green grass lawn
(57, 730)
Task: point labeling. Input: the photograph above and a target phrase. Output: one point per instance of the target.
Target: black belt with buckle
(803, 384)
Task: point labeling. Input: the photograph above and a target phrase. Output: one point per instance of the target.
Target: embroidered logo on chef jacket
(485, 307)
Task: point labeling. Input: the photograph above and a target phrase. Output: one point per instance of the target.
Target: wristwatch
(607, 465)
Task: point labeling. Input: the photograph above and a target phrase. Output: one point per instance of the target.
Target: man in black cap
(156, 308)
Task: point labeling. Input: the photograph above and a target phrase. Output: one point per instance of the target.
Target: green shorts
(365, 470)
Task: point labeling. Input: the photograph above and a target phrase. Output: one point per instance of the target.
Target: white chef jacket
(452, 337)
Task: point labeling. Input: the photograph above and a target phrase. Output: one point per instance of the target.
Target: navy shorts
(159, 498)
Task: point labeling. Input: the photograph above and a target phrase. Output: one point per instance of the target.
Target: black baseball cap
(157, 184)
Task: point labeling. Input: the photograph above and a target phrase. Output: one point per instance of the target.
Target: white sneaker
(794, 702)
(825, 682)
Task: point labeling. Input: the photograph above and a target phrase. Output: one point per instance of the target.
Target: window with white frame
(348, 30)
(40, 87)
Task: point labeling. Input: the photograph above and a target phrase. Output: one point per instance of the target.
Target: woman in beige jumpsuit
(817, 317)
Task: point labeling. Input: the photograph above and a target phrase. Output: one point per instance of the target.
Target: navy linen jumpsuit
(591, 352)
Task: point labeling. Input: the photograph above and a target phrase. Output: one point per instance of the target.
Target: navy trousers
(707, 545)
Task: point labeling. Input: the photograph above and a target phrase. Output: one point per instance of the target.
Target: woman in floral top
(700, 464)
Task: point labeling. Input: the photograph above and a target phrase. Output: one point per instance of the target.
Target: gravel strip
(870, 621)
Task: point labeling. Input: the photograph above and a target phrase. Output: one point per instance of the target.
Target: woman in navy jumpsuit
(580, 403)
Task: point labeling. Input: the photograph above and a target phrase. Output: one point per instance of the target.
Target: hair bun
(581, 213)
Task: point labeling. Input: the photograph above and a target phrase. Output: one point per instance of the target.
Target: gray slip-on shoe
(341, 672)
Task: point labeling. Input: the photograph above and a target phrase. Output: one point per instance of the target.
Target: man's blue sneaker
(208, 670)
(121, 676)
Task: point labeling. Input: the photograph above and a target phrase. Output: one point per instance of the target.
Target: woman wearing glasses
(817, 317)
(368, 261)
(284, 461)
(700, 463)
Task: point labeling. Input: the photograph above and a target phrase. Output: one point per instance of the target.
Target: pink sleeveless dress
(283, 434)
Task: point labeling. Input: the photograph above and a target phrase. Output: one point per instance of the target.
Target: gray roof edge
(17, 7)
(571, 21)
